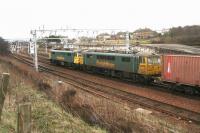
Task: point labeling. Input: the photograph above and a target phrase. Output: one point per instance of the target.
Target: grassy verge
(47, 116)
(114, 116)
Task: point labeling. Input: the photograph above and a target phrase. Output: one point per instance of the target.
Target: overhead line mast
(34, 33)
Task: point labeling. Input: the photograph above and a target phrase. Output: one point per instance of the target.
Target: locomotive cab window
(78, 54)
(68, 54)
(89, 56)
(142, 60)
(150, 60)
(156, 60)
(153, 60)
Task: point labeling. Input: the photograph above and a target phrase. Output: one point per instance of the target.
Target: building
(143, 34)
(103, 37)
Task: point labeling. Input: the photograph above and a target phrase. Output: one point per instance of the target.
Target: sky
(18, 17)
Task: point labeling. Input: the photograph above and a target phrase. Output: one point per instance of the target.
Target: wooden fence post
(3, 90)
(24, 118)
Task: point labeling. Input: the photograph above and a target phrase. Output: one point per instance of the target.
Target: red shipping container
(183, 69)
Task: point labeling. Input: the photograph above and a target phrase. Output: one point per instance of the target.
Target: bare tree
(4, 46)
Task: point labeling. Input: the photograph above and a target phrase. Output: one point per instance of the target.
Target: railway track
(110, 93)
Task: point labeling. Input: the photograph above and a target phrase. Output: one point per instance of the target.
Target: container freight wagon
(183, 70)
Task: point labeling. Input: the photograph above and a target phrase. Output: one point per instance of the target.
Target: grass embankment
(47, 116)
(116, 117)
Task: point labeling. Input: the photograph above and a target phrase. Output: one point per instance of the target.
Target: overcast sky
(18, 17)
